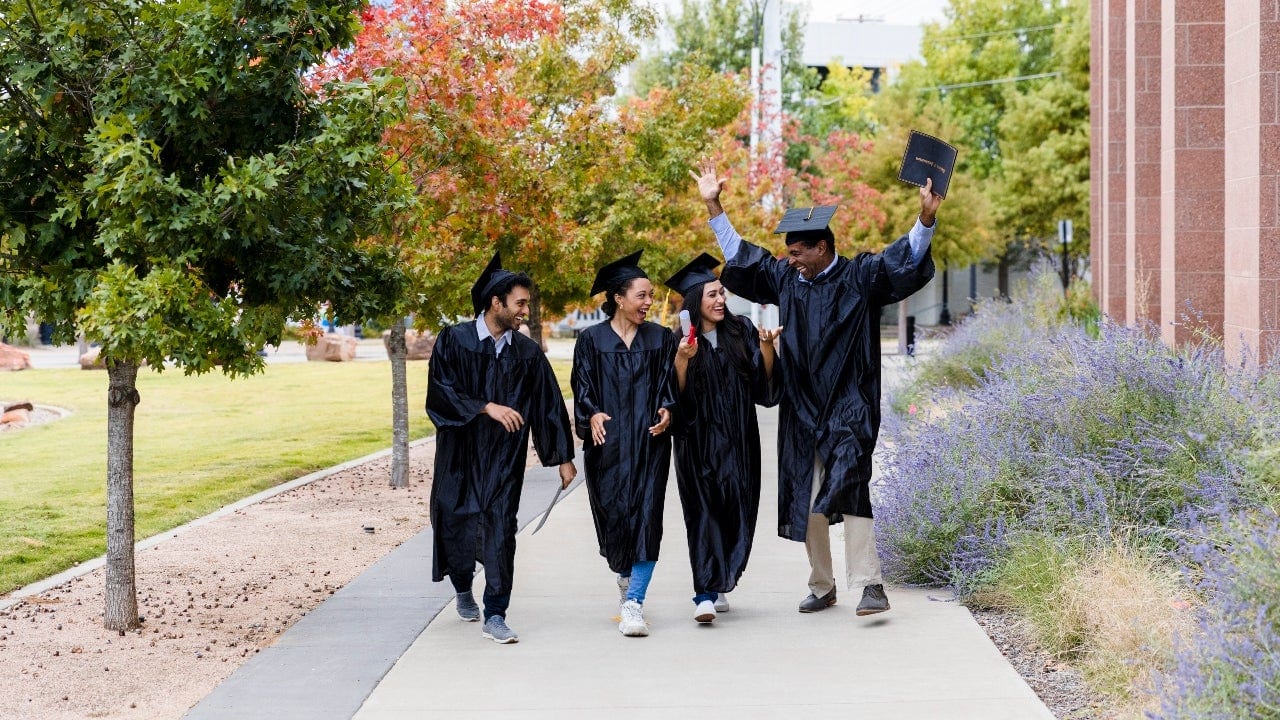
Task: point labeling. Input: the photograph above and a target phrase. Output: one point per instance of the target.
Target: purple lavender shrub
(1231, 668)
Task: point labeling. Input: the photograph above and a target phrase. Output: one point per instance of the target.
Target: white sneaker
(705, 612)
(722, 602)
(632, 623)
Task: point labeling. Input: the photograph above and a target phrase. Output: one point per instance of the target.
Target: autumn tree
(514, 143)
(174, 191)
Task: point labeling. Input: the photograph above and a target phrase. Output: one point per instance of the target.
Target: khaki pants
(861, 563)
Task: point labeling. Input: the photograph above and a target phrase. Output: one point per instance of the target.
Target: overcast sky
(897, 12)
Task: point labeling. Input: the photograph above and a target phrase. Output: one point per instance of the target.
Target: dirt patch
(210, 598)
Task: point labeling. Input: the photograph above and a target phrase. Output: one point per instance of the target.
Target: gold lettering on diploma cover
(931, 164)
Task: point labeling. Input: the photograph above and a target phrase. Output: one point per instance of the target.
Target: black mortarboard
(694, 274)
(806, 223)
(617, 272)
(928, 157)
(491, 278)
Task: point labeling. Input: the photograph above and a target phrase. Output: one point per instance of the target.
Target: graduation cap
(491, 278)
(927, 157)
(618, 272)
(807, 223)
(697, 272)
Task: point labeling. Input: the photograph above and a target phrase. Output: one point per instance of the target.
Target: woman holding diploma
(723, 366)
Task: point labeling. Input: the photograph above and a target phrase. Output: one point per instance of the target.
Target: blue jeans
(705, 596)
(641, 574)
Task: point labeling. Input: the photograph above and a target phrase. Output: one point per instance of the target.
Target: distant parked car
(577, 321)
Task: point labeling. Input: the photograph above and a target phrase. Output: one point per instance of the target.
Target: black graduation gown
(627, 475)
(479, 466)
(717, 449)
(830, 370)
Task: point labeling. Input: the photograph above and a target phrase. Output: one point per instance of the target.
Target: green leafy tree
(1011, 78)
(719, 35)
(1046, 143)
(964, 233)
(174, 190)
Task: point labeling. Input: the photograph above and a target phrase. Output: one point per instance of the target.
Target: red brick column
(1115, 154)
(1142, 176)
(1097, 234)
(1191, 168)
(1251, 302)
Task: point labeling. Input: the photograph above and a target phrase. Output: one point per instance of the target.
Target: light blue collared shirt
(482, 332)
(730, 241)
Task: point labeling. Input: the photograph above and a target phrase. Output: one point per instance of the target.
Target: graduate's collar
(822, 274)
(482, 332)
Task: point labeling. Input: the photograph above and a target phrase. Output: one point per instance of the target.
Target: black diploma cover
(928, 157)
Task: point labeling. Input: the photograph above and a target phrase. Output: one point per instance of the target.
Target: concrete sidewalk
(365, 653)
(926, 658)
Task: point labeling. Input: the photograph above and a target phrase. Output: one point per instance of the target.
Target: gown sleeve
(766, 390)
(552, 434)
(447, 405)
(754, 274)
(585, 386)
(895, 274)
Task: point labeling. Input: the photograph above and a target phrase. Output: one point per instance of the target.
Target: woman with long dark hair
(722, 372)
(623, 397)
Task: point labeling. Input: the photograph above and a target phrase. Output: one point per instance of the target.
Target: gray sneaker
(722, 602)
(495, 628)
(467, 608)
(873, 600)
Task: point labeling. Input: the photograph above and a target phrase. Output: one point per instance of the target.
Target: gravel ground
(210, 598)
(1058, 685)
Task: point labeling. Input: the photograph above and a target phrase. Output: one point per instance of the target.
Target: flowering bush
(1067, 434)
(1231, 667)
(1045, 437)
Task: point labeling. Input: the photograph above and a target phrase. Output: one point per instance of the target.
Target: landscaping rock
(11, 358)
(92, 360)
(418, 344)
(333, 348)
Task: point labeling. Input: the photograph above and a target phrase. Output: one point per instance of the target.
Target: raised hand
(686, 349)
(928, 203)
(710, 185)
(768, 336)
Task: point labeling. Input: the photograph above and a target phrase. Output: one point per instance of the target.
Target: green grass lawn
(200, 443)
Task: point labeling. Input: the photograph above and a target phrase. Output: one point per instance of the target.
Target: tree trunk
(121, 595)
(397, 352)
(535, 318)
(1002, 277)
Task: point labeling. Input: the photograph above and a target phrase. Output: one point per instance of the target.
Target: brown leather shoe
(814, 603)
(873, 600)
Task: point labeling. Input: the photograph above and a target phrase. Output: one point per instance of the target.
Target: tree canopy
(174, 189)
